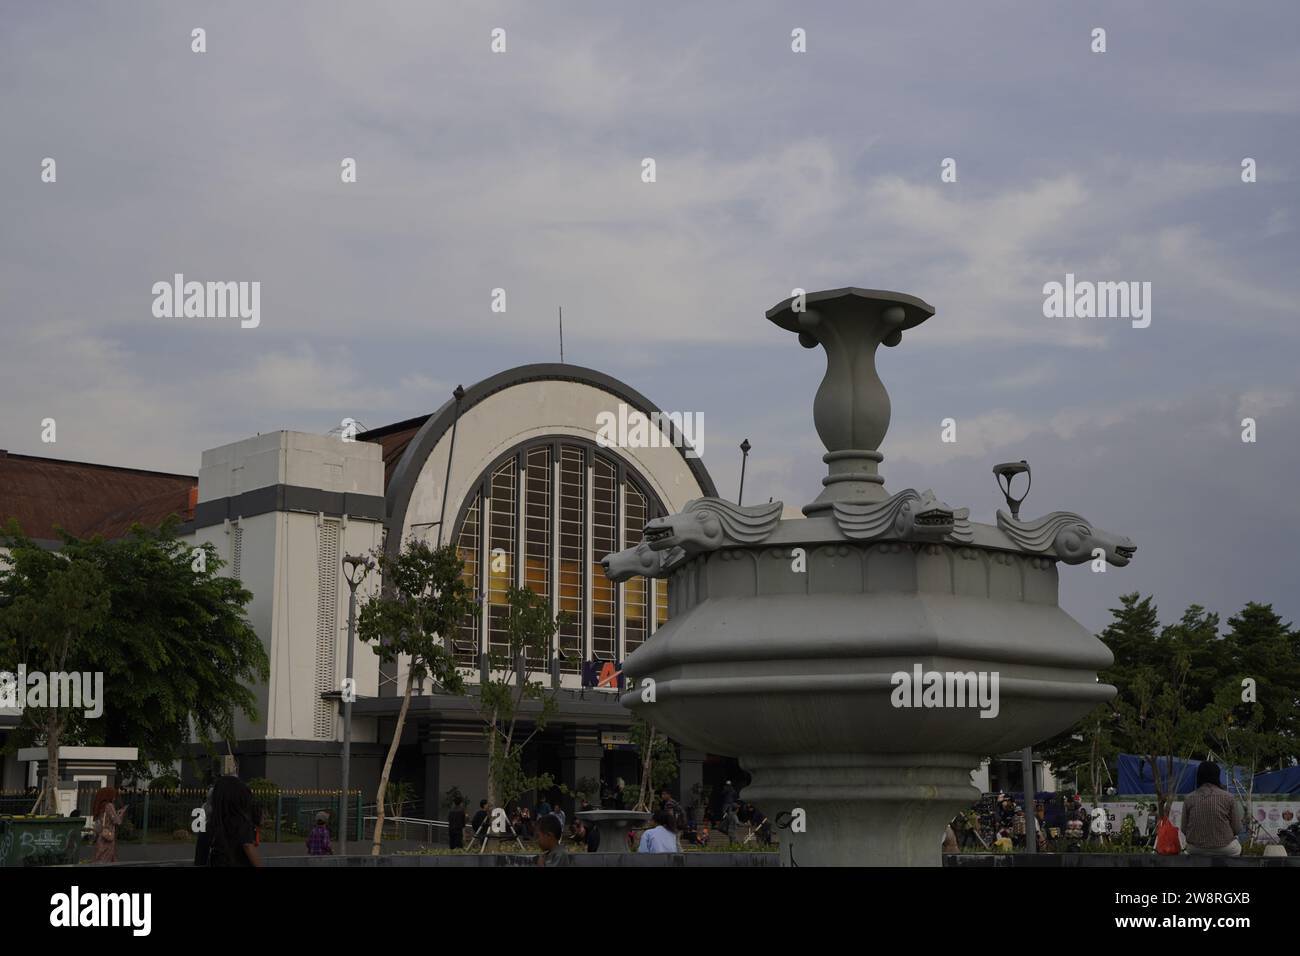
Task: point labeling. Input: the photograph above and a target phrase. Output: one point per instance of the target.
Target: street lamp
(745, 446)
(355, 569)
(1005, 474)
(1007, 471)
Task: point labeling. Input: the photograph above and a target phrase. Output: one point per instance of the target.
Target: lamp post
(355, 568)
(745, 446)
(1005, 473)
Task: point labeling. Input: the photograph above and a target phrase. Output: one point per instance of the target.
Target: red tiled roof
(85, 499)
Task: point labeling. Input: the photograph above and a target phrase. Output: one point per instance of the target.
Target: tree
(1090, 746)
(530, 630)
(1162, 712)
(51, 606)
(1265, 651)
(169, 635)
(424, 597)
(658, 758)
(179, 655)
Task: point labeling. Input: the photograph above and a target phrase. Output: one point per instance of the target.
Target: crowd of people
(673, 825)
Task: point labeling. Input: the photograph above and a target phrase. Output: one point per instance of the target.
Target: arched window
(543, 516)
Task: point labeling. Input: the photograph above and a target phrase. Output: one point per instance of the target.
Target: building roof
(85, 499)
(393, 439)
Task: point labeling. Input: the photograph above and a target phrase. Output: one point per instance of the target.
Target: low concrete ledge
(1112, 860)
(530, 859)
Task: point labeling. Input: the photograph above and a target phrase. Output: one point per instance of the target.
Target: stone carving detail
(707, 524)
(643, 560)
(907, 515)
(1071, 538)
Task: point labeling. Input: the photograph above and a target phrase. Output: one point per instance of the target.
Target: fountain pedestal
(789, 640)
(613, 826)
(860, 809)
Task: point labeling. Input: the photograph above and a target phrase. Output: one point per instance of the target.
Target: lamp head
(1005, 473)
(356, 567)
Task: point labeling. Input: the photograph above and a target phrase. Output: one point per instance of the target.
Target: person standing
(1211, 816)
(728, 798)
(108, 817)
(456, 824)
(479, 824)
(661, 838)
(318, 841)
(232, 827)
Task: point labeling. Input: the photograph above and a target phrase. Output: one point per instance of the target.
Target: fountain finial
(851, 410)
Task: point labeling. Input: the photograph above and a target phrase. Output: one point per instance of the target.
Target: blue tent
(1135, 775)
(1278, 781)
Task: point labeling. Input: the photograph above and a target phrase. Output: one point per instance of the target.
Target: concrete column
(455, 755)
(690, 773)
(580, 758)
(862, 809)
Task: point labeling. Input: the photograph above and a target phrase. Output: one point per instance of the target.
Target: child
(1003, 843)
(318, 841)
(549, 830)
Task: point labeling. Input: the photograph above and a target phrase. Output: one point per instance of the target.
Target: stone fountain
(861, 660)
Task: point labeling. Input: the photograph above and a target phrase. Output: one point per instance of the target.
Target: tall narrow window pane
(573, 497)
(604, 534)
(635, 624)
(501, 555)
(466, 643)
(537, 534)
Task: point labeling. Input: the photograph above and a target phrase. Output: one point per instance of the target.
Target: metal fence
(171, 814)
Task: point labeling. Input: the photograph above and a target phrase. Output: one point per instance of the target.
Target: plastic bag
(1167, 841)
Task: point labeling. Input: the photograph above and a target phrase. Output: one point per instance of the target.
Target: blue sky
(775, 170)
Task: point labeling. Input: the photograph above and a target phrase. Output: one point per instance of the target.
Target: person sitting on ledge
(1211, 816)
(549, 830)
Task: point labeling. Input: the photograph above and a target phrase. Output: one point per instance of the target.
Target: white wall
(280, 566)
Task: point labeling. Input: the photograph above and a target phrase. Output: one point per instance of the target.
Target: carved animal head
(1071, 537)
(640, 560)
(709, 523)
(925, 517)
(622, 565)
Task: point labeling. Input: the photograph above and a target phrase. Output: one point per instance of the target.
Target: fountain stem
(851, 410)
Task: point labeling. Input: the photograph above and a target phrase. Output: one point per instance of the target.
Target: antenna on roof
(561, 308)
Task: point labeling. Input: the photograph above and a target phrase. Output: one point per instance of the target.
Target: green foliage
(173, 643)
(658, 757)
(52, 608)
(263, 787)
(1180, 695)
(424, 596)
(398, 794)
(181, 656)
(530, 630)
(167, 783)
(1265, 650)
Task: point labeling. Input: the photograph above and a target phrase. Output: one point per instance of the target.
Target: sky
(774, 170)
